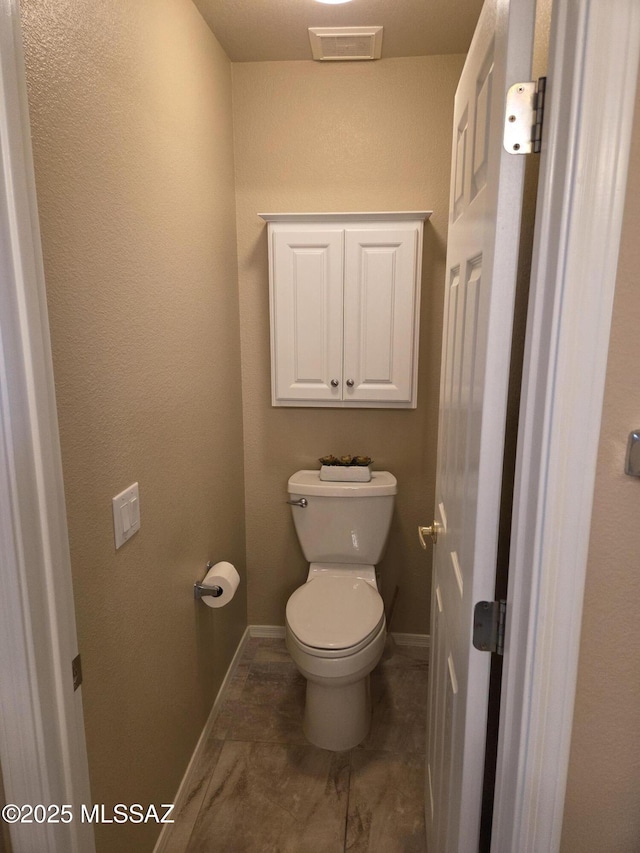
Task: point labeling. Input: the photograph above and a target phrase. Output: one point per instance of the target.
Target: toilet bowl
(336, 656)
(335, 622)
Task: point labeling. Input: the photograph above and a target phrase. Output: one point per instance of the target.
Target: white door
(380, 310)
(482, 251)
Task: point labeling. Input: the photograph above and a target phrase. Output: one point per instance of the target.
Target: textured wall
(602, 812)
(339, 137)
(131, 113)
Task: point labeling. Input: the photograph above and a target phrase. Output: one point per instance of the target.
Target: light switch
(126, 514)
(134, 507)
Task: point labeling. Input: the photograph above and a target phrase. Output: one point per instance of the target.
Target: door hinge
(488, 626)
(523, 118)
(76, 670)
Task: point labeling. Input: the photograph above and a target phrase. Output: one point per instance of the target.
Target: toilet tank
(343, 522)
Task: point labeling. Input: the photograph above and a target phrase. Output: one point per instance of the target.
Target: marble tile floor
(260, 787)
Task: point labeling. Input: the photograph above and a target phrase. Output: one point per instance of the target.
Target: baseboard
(266, 631)
(411, 639)
(278, 632)
(161, 844)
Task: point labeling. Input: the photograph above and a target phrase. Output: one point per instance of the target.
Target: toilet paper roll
(227, 578)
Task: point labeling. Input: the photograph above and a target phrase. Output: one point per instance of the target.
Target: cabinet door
(306, 306)
(381, 301)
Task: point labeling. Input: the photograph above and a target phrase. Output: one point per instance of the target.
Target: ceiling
(260, 30)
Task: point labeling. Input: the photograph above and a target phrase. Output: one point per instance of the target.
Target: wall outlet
(126, 514)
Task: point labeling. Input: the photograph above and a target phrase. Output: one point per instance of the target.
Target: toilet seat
(335, 616)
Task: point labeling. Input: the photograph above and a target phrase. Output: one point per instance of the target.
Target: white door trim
(42, 748)
(590, 97)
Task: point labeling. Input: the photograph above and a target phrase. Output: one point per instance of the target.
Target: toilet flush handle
(300, 502)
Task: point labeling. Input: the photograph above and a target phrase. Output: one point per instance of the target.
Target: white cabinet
(345, 300)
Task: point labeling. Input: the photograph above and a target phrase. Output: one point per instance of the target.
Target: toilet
(335, 622)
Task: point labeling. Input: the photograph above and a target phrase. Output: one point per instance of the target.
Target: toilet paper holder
(201, 589)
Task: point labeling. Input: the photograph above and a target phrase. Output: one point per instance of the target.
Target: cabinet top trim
(393, 216)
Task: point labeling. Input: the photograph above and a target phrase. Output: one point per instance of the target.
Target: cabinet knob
(334, 383)
(350, 383)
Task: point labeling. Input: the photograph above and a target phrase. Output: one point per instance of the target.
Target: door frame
(593, 69)
(42, 745)
(41, 732)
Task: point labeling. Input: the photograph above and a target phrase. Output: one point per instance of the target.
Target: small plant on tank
(346, 461)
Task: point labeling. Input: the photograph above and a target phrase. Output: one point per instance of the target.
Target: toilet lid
(334, 612)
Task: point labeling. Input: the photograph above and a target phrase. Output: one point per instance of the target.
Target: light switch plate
(126, 514)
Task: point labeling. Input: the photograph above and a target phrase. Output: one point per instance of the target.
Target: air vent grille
(344, 43)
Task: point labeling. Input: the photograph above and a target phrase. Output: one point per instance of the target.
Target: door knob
(334, 383)
(431, 531)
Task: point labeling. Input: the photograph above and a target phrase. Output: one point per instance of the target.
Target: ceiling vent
(341, 43)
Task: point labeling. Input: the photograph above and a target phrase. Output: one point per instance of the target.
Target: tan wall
(602, 809)
(339, 137)
(131, 113)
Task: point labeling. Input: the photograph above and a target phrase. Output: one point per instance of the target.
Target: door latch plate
(632, 465)
(76, 671)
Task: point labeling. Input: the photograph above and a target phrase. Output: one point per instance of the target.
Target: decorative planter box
(346, 473)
